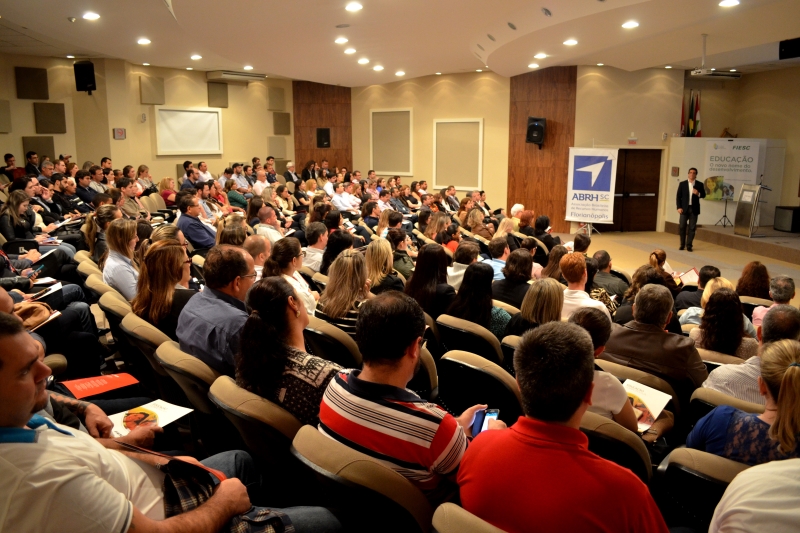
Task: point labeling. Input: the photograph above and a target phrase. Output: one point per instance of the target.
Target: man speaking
(688, 200)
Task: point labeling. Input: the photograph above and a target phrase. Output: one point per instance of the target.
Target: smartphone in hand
(482, 418)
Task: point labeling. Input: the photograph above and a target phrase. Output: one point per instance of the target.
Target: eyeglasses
(302, 254)
(254, 274)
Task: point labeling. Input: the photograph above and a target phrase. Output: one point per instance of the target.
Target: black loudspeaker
(84, 76)
(787, 218)
(789, 49)
(323, 137)
(536, 129)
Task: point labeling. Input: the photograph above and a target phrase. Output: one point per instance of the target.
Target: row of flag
(690, 122)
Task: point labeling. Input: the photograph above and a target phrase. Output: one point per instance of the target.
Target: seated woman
(754, 281)
(721, 330)
(235, 198)
(272, 361)
(530, 245)
(166, 188)
(119, 269)
(526, 222)
(254, 206)
(514, 287)
(541, 230)
(553, 270)
(380, 273)
(751, 438)
(475, 223)
(694, 315)
(303, 201)
(144, 179)
(436, 224)
(18, 222)
(219, 197)
(428, 283)
(422, 221)
(464, 208)
(97, 224)
(657, 260)
(284, 260)
(597, 293)
(233, 234)
(474, 301)
(402, 261)
(338, 241)
(542, 304)
(346, 290)
(162, 289)
(408, 199)
(505, 230)
(449, 237)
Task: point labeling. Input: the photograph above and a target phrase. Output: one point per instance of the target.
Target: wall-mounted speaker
(789, 49)
(323, 137)
(536, 130)
(84, 76)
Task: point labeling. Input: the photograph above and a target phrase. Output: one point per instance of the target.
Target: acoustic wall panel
(32, 83)
(276, 99)
(282, 123)
(391, 142)
(151, 90)
(50, 118)
(217, 94)
(44, 146)
(5, 116)
(188, 131)
(277, 147)
(458, 153)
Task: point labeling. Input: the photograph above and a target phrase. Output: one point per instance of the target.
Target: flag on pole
(698, 130)
(690, 130)
(683, 117)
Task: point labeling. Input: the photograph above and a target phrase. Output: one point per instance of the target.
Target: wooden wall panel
(322, 106)
(538, 178)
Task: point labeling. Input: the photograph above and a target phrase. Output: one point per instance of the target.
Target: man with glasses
(197, 233)
(210, 323)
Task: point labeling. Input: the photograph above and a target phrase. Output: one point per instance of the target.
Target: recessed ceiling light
(490, 36)
(540, 55)
(533, 65)
(143, 41)
(248, 67)
(354, 6)
(630, 24)
(196, 57)
(70, 57)
(189, 68)
(479, 70)
(668, 66)
(377, 68)
(570, 42)
(341, 40)
(94, 16)
(145, 64)
(729, 3)
(733, 70)
(713, 69)
(350, 51)
(600, 64)
(438, 73)
(546, 12)
(399, 73)
(511, 25)
(363, 61)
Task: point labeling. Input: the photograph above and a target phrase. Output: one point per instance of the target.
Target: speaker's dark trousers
(688, 218)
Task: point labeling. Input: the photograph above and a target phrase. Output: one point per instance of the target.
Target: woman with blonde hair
(657, 259)
(347, 289)
(119, 269)
(475, 223)
(542, 304)
(694, 315)
(162, 290)
(753, 438)
(166, 188)
(437, 223)
(505, 230)
(380, 272)
(143, 178)
(383, 222)
(464, 208)
(97, 223)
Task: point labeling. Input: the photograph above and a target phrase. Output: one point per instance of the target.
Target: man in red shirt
(540, 475)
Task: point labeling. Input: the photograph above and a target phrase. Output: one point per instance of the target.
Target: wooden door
(636, 191)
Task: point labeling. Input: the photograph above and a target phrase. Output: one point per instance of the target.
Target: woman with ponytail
(752, 438)
(657, 259)
(97, 223)
(284, 260)
(272, 361)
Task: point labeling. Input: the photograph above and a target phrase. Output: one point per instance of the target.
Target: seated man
(643, 344)
(61, 479)
(84, 191)
(268, 224)
(65, 195)
(131, 207)
(466, 254)
(317, 235)
(499, 250)
(342, 203)
(781, 290)
(210, 323)
(515, 210)
(605, 280)
(741, 380)
(687, 299)
(530, 477)
(372, 214)
(259, 249)
(417, 439)
(573, 268)
(197, 233)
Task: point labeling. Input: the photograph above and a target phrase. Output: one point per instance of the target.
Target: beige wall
(612, 103)
(61, 83)
(717, 104)
(485, 95)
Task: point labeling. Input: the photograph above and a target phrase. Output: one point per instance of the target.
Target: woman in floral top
(474, 301)
(272, 362)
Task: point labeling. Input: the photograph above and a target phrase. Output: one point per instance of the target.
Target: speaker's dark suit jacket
(682, 199)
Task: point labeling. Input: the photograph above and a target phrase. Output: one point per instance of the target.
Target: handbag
(33, 314)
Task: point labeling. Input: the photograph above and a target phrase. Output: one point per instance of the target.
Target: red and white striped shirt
(417, 439)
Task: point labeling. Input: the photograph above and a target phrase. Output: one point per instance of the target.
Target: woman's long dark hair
(553, 269)
(474, 299)
(283, 252)
(722, 324)
(338, 241)
(430, 271)
(333, 219)
(253, 207)
(263, 350)
(754, 281)
(319, 212)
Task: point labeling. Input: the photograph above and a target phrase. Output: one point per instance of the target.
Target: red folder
(81, 388)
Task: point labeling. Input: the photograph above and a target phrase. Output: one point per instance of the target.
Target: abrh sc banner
(591, 179)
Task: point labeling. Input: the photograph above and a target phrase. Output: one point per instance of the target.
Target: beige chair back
(686, 328)
(192, 375)
(331, 343)
(95, 283)
(56, 362)
(158, 202)
(83, 255)
(364, 225)
(340, 462)
(458, 334)
(623, 273)
(450, 518)
(116, 308)
(755, 301)
(426, 380)
(307, 271)
(715, 398)
(639, 376)
(322, 279)
(507, 307)
(617, 444)
(720, 358)
(87, 268)
(146, 337)
(198, 260)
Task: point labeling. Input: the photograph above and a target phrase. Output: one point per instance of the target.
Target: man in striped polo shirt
(370, 410)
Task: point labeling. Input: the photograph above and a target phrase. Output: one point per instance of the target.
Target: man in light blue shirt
(499, 250)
